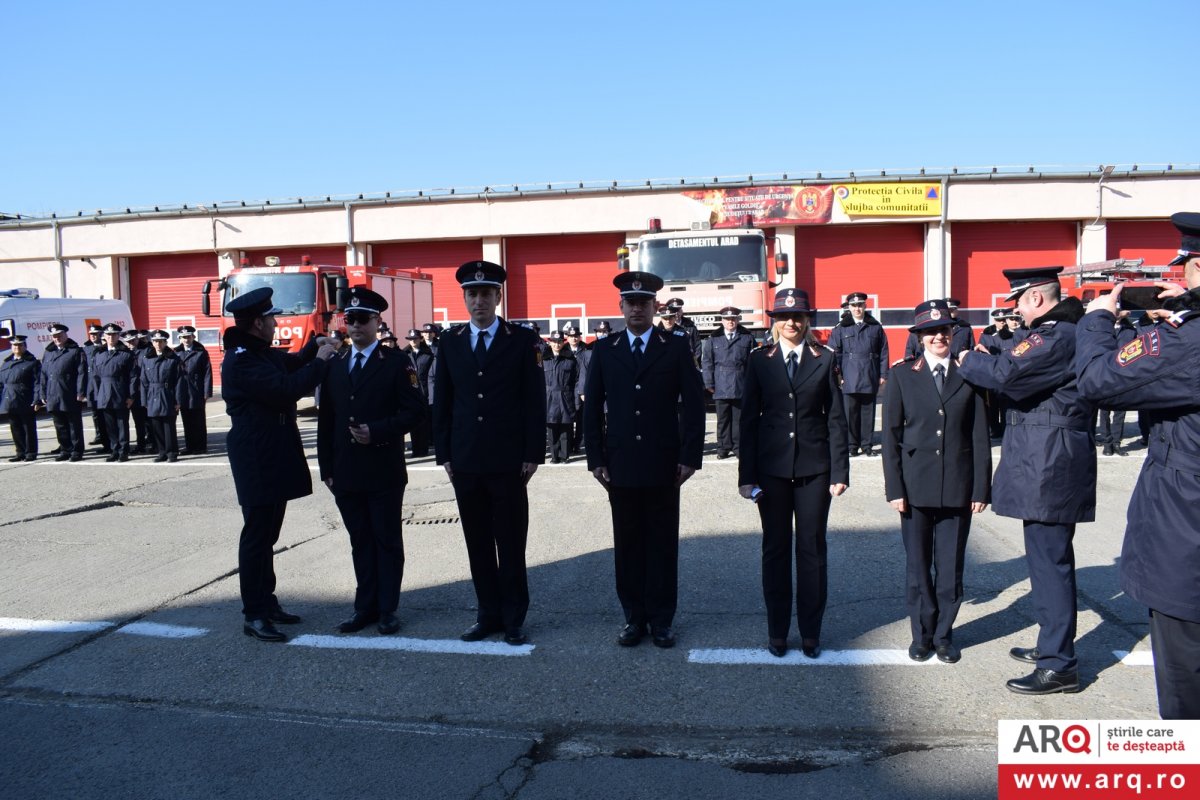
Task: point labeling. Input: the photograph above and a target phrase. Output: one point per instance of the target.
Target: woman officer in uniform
(793, 449)
(937, 471)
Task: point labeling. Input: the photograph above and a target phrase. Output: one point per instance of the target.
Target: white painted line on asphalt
(1140, 658)
(51, 625)
(412, 645)
(828, 658)
(161, 631)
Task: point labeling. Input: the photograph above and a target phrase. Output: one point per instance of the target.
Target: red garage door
(561, 280)
(329, 254)
(440, 259)
(885, 261)
(1156, 241)
(979, 251)
(164, 292)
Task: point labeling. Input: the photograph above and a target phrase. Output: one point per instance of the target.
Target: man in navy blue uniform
(649, 447)
(1006, 334)
(489, 432)
(195, 367)
(581, 353)
(370, 398)
(860, 346)
(723, 359)
(1047, 471)
(260, 385)
(64, 390)
(114, 383)
(20, 375)
(162, 392)
(422, 357)
(91, 347)
(1158, 374)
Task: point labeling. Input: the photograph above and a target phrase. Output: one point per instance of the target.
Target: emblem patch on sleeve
(1027, 344)
(1145, 345)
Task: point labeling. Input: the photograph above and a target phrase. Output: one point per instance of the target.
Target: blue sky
(108, 105)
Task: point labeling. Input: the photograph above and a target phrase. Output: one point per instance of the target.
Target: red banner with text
(766, 205)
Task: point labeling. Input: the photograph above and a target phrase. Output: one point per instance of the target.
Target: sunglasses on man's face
(358, 317)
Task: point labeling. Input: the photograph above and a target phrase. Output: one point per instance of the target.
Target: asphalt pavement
(124, 671)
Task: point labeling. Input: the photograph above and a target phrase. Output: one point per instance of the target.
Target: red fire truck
(709, 270)
(313, 296)
(1089, 281)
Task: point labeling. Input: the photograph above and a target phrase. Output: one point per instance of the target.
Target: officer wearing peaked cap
(860, 346)
(114, 382)
(489, 417)
(422, 356)
(260, 385)
(91, 347)
(1158, 373)
(651, 446)
(370, 398)
(195, 372)
(64, 389)
(964, 337)
(1047, 471)
(162, 393)
(20, 374)
(723, 359)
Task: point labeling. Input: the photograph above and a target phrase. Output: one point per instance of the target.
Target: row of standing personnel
(119, 378)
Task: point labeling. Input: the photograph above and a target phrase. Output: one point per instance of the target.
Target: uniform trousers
(1112, 426)
(1176, 646)
(376, 547)
(795, 512)
(195, 429)
(646, 552)
(162, 431)
(24, 433)
(141, 430)
(729, 423)
(1050, 556)
(68, 427)
(422, 435)
(577, 439)
(935, 547)
(560, 440)
(860, 420)
(116, 422)
(100, 428)
(996, 406)
(256, 560)
(494, 509)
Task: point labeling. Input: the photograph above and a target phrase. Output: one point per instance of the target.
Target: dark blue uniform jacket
(862, 354)
(115, 377)
(19, 380)
(160, 384)
(723, 363)
(196, 375)
(562, 387)
(64, 376)
(1047, 470)
(1158, 373)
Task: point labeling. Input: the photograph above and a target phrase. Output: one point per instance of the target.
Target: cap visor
(1180, 259)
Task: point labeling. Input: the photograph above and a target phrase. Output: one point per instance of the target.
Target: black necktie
(939, 377)
(791, 365)
(356, 370)
(637, 350)
(481, 348)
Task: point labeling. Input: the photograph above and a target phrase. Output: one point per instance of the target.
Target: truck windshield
(701, 259)
(295, 294)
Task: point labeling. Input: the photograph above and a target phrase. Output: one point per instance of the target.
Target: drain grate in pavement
(433, 521)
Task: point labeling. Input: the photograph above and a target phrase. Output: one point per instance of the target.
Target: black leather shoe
(62, 456)
(777, 647)
(948, 654)
(281, 617)
(663, 637)
(77, 456)
(357, 622)
(160, 458)
(515, 636)
(1028, 655)
(31, 457)
(56, 451)
(388, 624)
(722, 456)
(112, 458)
(919, 652)
(810, 647)
(263, 630)
(15, 459)
(631, 635)
(123, 458)
(172, 457)
(479, 631)
(1045, 681)
(867, 451)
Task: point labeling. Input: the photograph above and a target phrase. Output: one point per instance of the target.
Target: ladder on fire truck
(1113, 271)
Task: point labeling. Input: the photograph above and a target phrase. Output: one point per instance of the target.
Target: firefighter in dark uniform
(582, 354)
(423, 359)
(370, 399)
(260, 386)
(794, 461)
(91, 347)
(162, 393)
(648, 380)
(675, 305)
(430, 332)
(64, 390)
(489, 432)
(723, 359)
(861, 348)
(937, 472)
(20, 379)
(1047, 473)
(1112, 420)
(964, 337)
(138, 341)
(562, 396)
(114, 383)
(1006, 334)
(195, 368)
(1160, 559)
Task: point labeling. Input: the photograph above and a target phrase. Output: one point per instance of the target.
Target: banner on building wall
(889, 199)
(768, 205)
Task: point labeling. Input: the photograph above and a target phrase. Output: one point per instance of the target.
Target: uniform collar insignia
(239, 351)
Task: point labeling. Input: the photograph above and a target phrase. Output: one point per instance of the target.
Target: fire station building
(900, 239)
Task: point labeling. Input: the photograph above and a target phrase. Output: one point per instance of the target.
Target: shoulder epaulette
(678, 332)
(1180, 317)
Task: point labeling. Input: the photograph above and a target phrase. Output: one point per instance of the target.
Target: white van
(24, 312)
